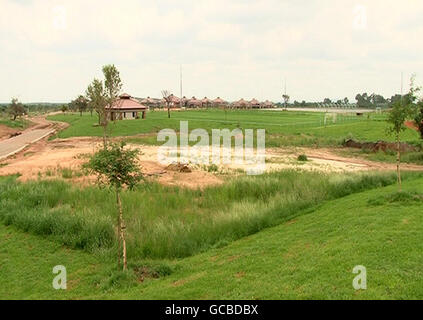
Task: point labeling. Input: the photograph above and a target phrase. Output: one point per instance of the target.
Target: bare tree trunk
(168, 110)
(122, 231)
(119, 231)
(104, 125)
(104, 137)
(399, 162)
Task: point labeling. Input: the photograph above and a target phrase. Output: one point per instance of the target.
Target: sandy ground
(53, 159)
(5, 132)
(47, 159)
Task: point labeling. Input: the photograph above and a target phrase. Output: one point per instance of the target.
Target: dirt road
(41, 129)
(47, 159)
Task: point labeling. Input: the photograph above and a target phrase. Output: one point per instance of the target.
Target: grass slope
(17, 124)
(311, 256)
(282, 128)
(172, 222)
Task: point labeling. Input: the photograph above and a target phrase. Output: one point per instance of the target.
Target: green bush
(302, 157)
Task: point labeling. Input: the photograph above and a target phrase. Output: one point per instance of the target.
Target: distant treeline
(34, 107)
(364, 100)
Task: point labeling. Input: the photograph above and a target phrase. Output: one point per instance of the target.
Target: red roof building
(126, 107)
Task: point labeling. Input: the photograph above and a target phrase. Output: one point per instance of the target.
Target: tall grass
(171, 222)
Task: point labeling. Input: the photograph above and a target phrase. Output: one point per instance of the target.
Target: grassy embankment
(309, 256)
(171, 222)
(16, 124)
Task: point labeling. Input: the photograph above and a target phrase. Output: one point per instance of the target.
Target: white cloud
(50, 50)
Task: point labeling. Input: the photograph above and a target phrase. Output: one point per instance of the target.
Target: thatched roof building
(193, 102)
(219, 102)
(241, 104)
(255, 103)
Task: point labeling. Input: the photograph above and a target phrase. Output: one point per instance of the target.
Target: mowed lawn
(309, 257)
(282, 128)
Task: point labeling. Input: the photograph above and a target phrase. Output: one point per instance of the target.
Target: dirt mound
(15, 134)
(379, 146)
(179, 167)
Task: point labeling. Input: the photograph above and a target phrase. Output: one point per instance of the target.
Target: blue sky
(51, 50)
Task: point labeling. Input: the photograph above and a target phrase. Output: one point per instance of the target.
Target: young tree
(416, 105)
(80, 104)
(64, 108)
(98, 102)
(90, 107)
(16, 109)
(401, 111)
(285, 100)
(100, 97)
(418, 117)
(112, 83)
(168, 99)
(397, 116)
(117, 168)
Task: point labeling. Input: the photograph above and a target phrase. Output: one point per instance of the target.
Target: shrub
(302, 157)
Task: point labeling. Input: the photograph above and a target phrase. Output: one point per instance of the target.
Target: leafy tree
(16, 109)
(416, 105)
(117, 168)
(401, 111)
(97, 101)
(112, 83)
(327, 101)
(102, 96)
(64, 108)
(378, 99)
(285, 98)
(395, 99)
(80, 104)
(418, 117)
(363, 100)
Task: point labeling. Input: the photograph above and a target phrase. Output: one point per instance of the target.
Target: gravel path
(14, 145)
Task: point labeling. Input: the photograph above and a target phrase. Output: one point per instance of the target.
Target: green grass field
(282, 235)
(310, 256)
(282, 128)
(17, 124)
